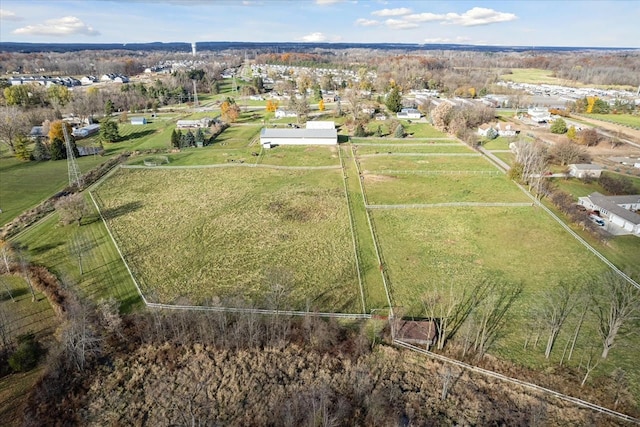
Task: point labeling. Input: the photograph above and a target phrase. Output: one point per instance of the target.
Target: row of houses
(45, 81)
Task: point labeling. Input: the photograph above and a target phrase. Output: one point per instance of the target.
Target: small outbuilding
(420, 332)
(316, 133)
(585, 170)
(138, 121)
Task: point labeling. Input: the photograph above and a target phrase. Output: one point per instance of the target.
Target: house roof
(585, 167)
(298, 133)
(416, 330)
(612, 204)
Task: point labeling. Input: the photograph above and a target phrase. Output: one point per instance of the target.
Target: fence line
(502, 377)
(449, 204)
(364, 156)
(135, 282)
(430, 172)
(353, 227)
(373, 235)
(385, 144)
(257, 311)
(231, 165)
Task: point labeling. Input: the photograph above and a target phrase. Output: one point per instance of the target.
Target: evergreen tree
(109, 131)
(378, 131)
(559, 126)
(394, 100)
(359, 132)
(176, 137)
(40, 151)
(57, 150)
(108, 108)
(188, 139)
(399, 132)
(199, 136)
(21, 150)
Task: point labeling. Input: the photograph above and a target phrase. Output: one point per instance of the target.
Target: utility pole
(75, 177)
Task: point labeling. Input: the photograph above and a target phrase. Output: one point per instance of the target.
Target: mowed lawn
(426, 163)
(451, 147)
(268, 238)
(309, 155)
(25, 184)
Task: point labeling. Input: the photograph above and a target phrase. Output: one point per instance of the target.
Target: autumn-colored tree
(591, 100)
(58, 95)
(13, 122)
(272, 106)
(321, 105)
(55, 130)
(571, 133)
(229, 110)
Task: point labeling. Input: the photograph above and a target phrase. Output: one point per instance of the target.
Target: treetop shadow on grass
(39, 250)
(125, 209)
(136, 135)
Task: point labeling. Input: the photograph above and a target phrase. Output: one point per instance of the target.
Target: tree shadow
(136, 135)
(16, 292)
(38, 250)
(121, 210)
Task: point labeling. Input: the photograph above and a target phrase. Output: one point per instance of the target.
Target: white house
(539, 114)
(138, 121)
(585, 170)
(282, 113)
(619, 210)
(409, 113)
(316, 133)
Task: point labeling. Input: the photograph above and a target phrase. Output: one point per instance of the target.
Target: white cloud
(314, 38)
(326, 2)
(66, 26)
(479, 16)
(367, 22)
(399, 24)
(7, 15)
(424, 17)
(440, 40)
(392, 12)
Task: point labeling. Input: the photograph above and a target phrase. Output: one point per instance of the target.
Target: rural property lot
(269, 238)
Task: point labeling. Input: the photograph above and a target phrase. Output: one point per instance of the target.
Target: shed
(421, 332)
(138, 121)
(298, 137)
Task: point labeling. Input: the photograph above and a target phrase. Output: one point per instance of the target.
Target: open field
(104, 275)
(243, 234)
(623, 119)
(409, 162)
(25, 184)
(419, 189)
(412, 130)
(412, 148)
(312, 155)
(499, 143)
(541, 76)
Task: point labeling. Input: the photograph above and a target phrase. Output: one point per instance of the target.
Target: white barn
(585, 170)
(409, 113)
(619, 210)
(316, 133)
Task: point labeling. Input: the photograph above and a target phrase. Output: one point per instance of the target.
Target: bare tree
(558, 303)
(12, 125)
(78, 248)
(79, 339)
(72, 208)
(533, 159)
(566, 152)
(6, 287)
(23, 260)
(615, 305)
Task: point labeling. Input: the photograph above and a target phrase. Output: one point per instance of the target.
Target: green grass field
(196, 235)
(26, 184)
(363, 150)
(408, 162)
(424, 189)
(500, 143)
(623, 119)
(300, 156)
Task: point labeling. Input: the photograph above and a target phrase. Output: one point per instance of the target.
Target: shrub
(399, 132)
(27, 354)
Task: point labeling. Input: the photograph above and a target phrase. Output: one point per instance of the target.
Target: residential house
(539, 114)
(86, 131)
(621, 211)
(282, 113)
(585, 170)
(409, 113)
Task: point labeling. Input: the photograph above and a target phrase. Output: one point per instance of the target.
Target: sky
(613, 23)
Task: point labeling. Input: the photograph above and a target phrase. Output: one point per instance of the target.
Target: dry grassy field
(270, 238)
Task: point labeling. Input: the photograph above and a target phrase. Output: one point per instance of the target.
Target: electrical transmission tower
(75, 177)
